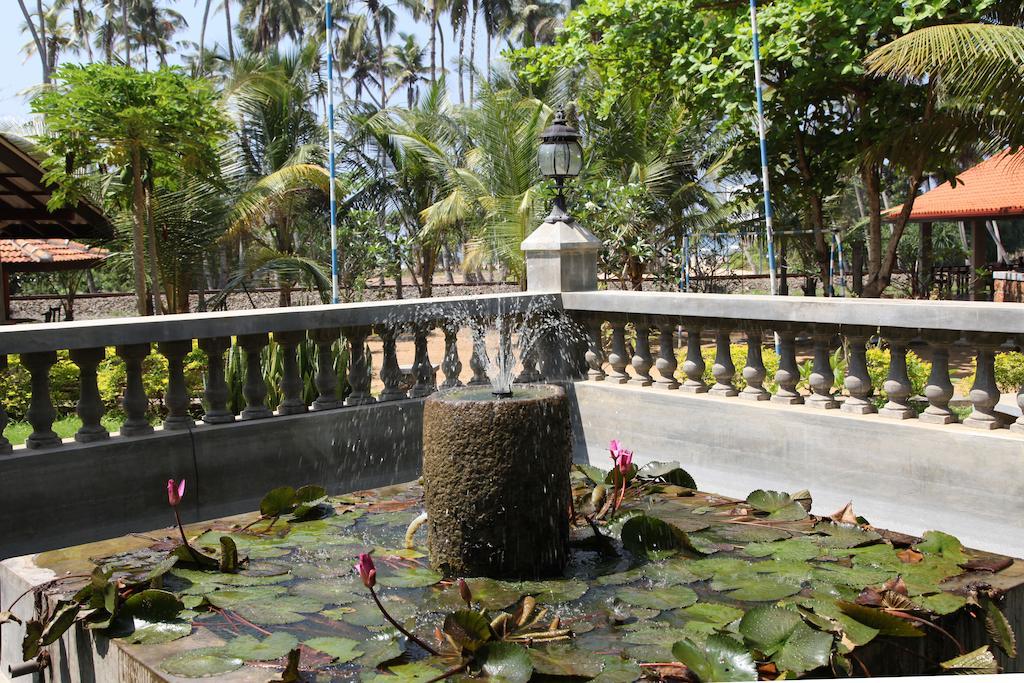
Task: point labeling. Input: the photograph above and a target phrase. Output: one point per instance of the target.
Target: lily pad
(565, 660)
(643, 534)
(376, 651)
(250, 648)
(844, 535)
(712, 613)
(942, 603)
(505, 663)
(789, 549)
(769, 501)
(669, 597)
(153, 605)
(943, 545)
(887, 624)
(342, 649)
(202, 663)
(720, 659)
(153, 633)
(618, 670)
(554, 592)
(409, 577)
(763, 590)
(328, 592)
(278, 501)
(980, 661)
(467, 629)
(413, 672)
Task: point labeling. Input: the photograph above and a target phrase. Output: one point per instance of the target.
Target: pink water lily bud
(175, 492)
(465, 592)
(367, 570)
(625, 461)
(614, 448)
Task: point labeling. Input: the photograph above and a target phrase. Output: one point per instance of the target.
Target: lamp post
(560, 157)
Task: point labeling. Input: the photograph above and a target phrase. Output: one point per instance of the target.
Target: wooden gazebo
(24, 215)
(991, 191)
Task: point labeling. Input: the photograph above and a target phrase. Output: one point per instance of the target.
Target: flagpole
(759, 88)
(329, 23)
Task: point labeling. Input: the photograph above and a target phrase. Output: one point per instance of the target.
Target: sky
(21, 73)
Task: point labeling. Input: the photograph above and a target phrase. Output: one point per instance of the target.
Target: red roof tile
(993, 189)
(51, 254)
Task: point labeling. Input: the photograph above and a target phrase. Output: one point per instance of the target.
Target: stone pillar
(326, 377)
(255, 388)
(694, 366)
(358, 367)
(754, 371)
(788, 374)
(857, 380)
(5, 444)
(939, 389)
(617, 358)
(595, 351)
(134, 400)
(215, 392)
(90, 406)
(176, 397)
(822, 378)
(41, 412)
(390, 372)
(451, 366)
(478, 361)
(528, 359)
(723, 368)
(667, 363)
(642, 361)
(561, 256)
(423, 369)
(292, 386)
(897, 383)
(984, 394)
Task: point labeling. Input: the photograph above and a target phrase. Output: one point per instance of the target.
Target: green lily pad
(712, 613)
(413, 672)
(720, 659)
(554, 592)
(670, 472)
(505, 663)
(202, 663)
(670, 573)
(669, 597)
(565, 660)
(409, 577)
(331, 593)
(278, 501)
(980, 661)
(622, 578)
(941, 603)
(469, 630)
(491, 594)
(751, 533)
(643, 534)
(844, 535)
(887, 624)
(804, 650)
(769, 501)
(376, 651)
(763, 590)
(366, 613)
(153, 605)
(153, 633)
(342, 649)
(789, 549)
(943, 545)
(618, 670)
(251, 649)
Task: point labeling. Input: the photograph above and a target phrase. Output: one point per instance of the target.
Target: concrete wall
(85, 492)
(905, 476)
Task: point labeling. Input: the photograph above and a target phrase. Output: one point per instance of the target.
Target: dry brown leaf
(909, 556)
(845, 515)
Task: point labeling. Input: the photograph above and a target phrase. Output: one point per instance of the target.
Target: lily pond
(666, 583)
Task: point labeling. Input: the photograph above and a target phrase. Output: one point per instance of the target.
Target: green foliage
(1009, 373)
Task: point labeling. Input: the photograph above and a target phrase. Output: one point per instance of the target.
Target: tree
(826, 114)
(150, 124)
(265, 22)
(406, 67)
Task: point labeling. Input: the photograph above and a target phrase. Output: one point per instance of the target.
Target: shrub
(1009, 373)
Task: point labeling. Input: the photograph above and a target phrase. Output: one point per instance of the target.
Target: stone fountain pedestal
(496, 481)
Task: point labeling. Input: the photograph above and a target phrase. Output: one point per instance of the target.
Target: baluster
(255, 387)
(1017, 426)
(939, 389)
(694, 366)
(667, 363)
(595, 351)
(984, 394)
(423, 369)
(390, 372)
(90, 406)
(754, 371)
(451, 366)
(857, 380)
(528, 357)
(478, 362)
(134, 400)
(5, 444)
(822, 378)
(617, 358)
(176, 397)
(41, 412)
(788, 374)
(292, 386)
(723, 368)
(326, 377)
(358, 367)
(897, 382)
(642, 361)
(215, 391)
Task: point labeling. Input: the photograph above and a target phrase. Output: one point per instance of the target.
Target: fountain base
(496, 480)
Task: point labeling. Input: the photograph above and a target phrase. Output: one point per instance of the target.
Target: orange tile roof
(48, 254)
(993, 189)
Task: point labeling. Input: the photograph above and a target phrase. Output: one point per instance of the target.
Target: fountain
(496, 469)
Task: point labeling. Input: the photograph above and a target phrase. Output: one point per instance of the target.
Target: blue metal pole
(759, 89)
(328, 19)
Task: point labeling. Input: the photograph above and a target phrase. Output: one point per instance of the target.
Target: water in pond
(626, 596)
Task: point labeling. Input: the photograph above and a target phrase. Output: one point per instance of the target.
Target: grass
(17, 432)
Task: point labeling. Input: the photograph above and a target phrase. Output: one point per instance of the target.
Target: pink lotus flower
(615, 449)
(175, 492)
(367, 570)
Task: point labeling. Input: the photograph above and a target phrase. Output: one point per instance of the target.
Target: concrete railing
(173, 337)
(981, 328)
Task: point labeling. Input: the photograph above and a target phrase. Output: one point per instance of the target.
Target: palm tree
(265, 22)
(155, 26)
(534, 23)
(980, 68)
(406, 68)
(357, 55)
(496, 17)
(458, 11)
(50, 38)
